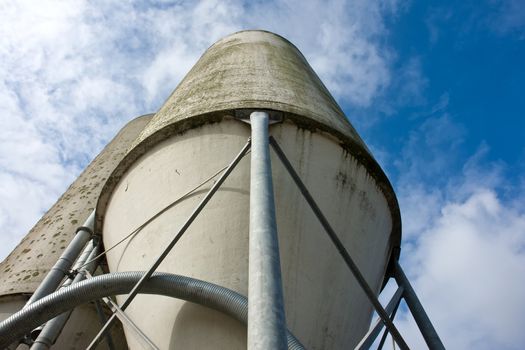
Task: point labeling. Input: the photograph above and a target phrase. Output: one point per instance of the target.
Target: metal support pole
(78, 264)
(266, 319)
(385, 333)
(374, 331)
(133, 293)
(53, 328)
(64, 263)
(102, 317)
(420, 316)
(340, 247)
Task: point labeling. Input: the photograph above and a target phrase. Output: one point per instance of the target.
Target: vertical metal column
(63, 264)
(420, 316)
(53, 327)
(266, 319)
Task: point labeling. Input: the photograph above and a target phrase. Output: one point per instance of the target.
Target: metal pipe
(340, 247)
(266, 318)
(102, 317)
(374, 331)
(420, 316)
(63, 264)
(190, 289)
(385, 333)
(80, 261)
(177, 237)
(52, 329)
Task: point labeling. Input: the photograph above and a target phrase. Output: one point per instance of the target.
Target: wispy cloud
(503, 17)
(432, 147)
(508, 18)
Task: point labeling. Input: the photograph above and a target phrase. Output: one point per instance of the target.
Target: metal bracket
(244, 115)
(71, 273)
(85, 228)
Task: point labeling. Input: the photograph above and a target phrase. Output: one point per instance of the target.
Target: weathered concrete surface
(23, 270)
(9, 304)
(325, 307)
(253, 69)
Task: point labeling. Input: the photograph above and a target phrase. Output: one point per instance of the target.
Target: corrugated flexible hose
(200, 292)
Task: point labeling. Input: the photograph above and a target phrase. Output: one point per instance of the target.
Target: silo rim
(255, 31)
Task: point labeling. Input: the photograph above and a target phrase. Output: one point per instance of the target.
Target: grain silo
(226, 193)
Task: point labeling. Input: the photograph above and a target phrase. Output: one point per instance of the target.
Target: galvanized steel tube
(66, 260)
(418, 312)
(78, 264)
(52, 329)
(266, 318)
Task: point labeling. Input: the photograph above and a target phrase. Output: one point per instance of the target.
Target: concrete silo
(248, 90)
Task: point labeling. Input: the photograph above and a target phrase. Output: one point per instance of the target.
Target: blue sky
(434, 88)
(471, 67)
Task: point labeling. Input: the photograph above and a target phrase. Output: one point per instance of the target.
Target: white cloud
(430, 149)
(343, 45)
(420, 207)
(469, 269)
(31, 172)
(464, 244)
(183, 34)
(407, 89)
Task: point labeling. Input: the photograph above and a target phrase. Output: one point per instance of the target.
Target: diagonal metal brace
(133, 293)
(418, 312)
(146, 343)
(374, 331)
(385, 333)
(340, 247)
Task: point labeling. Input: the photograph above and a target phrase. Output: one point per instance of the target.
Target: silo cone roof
(23, 270)
(253, 70)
